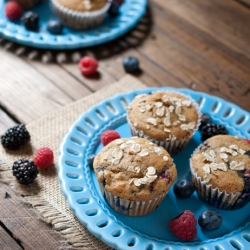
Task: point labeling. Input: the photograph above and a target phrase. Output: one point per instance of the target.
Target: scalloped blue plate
(149, 232)
(131, 12)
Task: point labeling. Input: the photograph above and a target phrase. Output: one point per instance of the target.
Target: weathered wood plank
(25, 224)
(224, 20)
(5, 121)
(245, 2)
(6, 241)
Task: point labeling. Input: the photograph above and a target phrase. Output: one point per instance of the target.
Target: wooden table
(199, 44)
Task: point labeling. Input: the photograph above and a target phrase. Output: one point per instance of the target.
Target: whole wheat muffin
(168, 119)
(221, 171)
(134, 175)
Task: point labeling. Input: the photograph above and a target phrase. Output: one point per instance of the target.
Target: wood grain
(5, 121)
(24, 224)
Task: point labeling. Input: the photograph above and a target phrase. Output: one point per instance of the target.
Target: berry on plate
(114, 9)
(88, 65)
(15, 137)
(205, 119)
(184, 226)
(130, 64)
(90, 160)
(184, 188)
(210, 130)
(54, 27)
(30, 20)
(247, 140)
(13, 10)
(44, 158)
(25, 171)
(210, 220)
(109, 136)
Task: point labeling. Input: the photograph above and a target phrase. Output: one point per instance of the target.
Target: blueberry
(206, 118)
(184, 188)
(91, 160)
(54, 27)
(30, 20)
(210, 220)
(131, 64)
(114, 9)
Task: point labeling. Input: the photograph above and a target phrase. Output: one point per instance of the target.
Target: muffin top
(224, 162)
(135, 169)
(163, 116)
(83, 5)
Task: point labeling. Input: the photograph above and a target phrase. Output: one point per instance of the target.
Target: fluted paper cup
(80, 20)
(131, 208)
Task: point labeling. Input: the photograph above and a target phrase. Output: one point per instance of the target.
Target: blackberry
(205, 119)
(25, 171)
(211, 129)
(246, 179)
(30, 20)
(247, 153)
(15, 137)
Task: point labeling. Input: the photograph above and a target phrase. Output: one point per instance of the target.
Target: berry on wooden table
(210, 220)
(88, 65)
(210, 130)
(109, 136)
(184, 188)
(184, 226)
(130, 64)
(54, 27)
(15, 137)
(25, 171)
(30, 20)
(44, 158)
(13, 10)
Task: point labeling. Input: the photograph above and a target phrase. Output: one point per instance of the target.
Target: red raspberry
(88, 65)
(109, 136)
(184, 226)
(44, 158)
(13, 10)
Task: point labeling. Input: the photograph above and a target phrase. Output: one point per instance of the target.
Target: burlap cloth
(45, 194)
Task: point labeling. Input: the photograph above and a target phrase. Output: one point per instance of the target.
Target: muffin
(168, 119)
(29, 3)
(134, 175)
(221, 171)
(81, 14)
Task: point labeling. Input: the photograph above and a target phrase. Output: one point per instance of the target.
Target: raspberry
(247, 140)
(109, 136)
(88, 65)
(184, 226)
(13, 10)
(44, 158)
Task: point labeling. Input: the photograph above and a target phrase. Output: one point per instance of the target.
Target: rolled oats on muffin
(134, 175)
(168, 119)
(221, 171)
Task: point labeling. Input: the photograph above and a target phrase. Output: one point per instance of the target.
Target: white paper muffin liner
(79, 20)
(172, 146)
(214, 197)
(130, 208)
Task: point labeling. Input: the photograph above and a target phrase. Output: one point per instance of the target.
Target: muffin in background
(134, 175)
(221, 172)
(81, 14)
(168, 119)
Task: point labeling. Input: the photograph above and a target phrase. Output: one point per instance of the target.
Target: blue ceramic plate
(130, 14)
(148, 232)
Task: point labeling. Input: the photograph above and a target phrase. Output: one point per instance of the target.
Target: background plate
(148, 232)
(113, 27)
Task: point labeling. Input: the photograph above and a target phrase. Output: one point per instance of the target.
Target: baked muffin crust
(135, 169)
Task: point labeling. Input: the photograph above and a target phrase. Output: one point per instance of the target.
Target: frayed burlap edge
(45, 193)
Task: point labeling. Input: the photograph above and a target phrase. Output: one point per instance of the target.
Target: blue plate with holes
(149, 232)
(131, 12)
